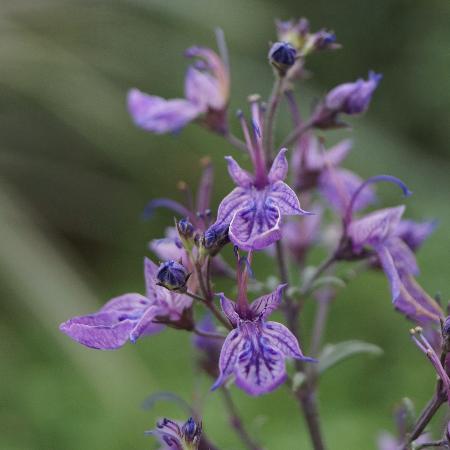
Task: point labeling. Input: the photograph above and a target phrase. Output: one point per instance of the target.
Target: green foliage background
(75, 175)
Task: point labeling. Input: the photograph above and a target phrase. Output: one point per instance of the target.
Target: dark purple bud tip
(282, 55)
(173, 276)
(446, 328)
(191, 430)
(185, 229)
(215, 237)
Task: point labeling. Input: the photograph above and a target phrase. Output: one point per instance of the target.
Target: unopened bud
(282, 56)
(173, 276)
(214, 238)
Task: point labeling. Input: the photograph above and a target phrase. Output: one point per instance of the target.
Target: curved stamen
(151, 206)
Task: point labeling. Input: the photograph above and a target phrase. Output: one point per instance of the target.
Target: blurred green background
(75, 175)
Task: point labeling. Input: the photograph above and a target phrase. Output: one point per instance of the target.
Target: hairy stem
(236, 422)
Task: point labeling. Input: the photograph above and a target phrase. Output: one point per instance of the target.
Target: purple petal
(279, 169)
(110, 327)
(391, 272)
(256, 225)
(205, 186)
(404, 258)
(375, 227)
(285, 199)
(283, 339)
(338, 186)
(228, 357)
(414, 303)
(145, 326)
(263, 306)
(236, 199)
(203, 90)
(229, 309)
(240, 176)
(126, 303)
(159, 115)
(414, 233)
(336, 154)
(150, 271)
(260, 366)
(168, 248)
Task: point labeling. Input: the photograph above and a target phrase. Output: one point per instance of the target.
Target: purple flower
(415, 233)
(255, 350)
(206, 92)
(253, 210)
(314, 166)
(348, 98)
(298, 34)
(129, 316)
(174, 435)
(352, 98)
(379, 230)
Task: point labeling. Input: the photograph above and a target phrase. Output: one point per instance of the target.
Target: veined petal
(285, 199)
(391, 272)
(228, 308)
(375, 227)
(228, 357)
(414, 303)
(236, 199)
(132, 304)
(279, 169)
(260, 367)
(403, 256)
(263, 306)
(103, 330)
(202, 89)
(240, 176)
(159, 115)
(145, 326)
(256, 225)
(283, 339)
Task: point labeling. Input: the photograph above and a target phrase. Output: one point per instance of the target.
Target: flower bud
(282, 56)
(214, 238)
(348, 98)
(191, 432)
(186, 232)
(173, 276)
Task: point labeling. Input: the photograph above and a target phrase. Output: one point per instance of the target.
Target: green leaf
(333, 354)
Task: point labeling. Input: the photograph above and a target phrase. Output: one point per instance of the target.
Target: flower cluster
(235, 341)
